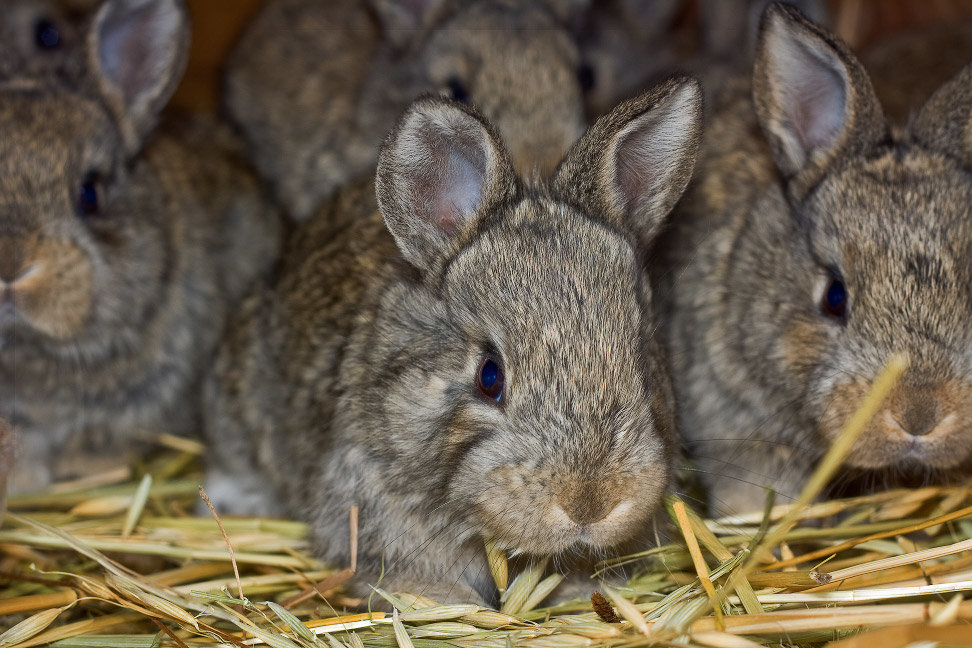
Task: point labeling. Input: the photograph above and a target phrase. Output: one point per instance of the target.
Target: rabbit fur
(314, 86)
(121, 251)
(41, 37)
(353, 379)
(814, 243)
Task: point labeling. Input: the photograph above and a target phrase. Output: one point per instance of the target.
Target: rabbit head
(544, 395)
(81, 258)
(519, 65)
(319, 126)
(876, 262)
(43, 37)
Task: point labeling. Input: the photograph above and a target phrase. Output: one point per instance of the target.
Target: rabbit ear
(945, 121)
(440, 172)
(138, 50)
(403, 21)
(813, 98)
(634, 163)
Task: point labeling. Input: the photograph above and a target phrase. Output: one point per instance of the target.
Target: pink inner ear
(457, 195)
(818, 102)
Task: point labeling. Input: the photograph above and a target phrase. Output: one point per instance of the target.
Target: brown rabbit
(314, 86)
(470, 357)
(120, 251)
(813, 244)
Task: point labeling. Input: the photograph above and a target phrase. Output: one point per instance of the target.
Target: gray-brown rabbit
(121, 251)
(813, 244)
(469, 357)
(314, 86)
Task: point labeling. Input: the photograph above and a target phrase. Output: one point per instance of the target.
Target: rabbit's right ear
(441, 170)
(633, 164)
(138, 50)
(813, 98)
(945, 121)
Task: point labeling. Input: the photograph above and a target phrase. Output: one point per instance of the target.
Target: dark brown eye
(46, 35)
(834, 304)
(489, 379)
(89, 203)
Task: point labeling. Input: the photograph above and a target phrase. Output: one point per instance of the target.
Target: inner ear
(813, 91)
(450, 187)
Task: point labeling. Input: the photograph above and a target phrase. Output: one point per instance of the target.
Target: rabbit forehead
(553, 290)
(48, 136)
(906, 195)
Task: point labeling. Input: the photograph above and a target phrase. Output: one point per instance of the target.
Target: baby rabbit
(314, 86)
(43, 37)
(814, 244)
(120, 253)
(470, 357)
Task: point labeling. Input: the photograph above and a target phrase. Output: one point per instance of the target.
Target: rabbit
(814, 243)
(463, 355)
(314, 86)
(121, 249)
(44, 37)
(626, 45)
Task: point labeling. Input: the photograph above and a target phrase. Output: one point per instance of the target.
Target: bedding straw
(85, 560)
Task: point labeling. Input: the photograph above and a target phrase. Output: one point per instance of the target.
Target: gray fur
(792, 187)
(352, 380)
(314, 86)
(107, 319)
(21, 54)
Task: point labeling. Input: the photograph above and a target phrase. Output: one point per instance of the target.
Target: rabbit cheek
(57, 297)
(804, 342)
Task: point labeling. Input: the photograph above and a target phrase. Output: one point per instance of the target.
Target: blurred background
(217, 24)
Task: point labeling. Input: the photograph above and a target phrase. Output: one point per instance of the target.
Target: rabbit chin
(549, 530)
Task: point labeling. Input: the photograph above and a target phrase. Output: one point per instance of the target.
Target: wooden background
(217, 23)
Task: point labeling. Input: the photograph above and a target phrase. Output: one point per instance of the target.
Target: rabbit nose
(921, 415)
(587, 503)
(12, 265)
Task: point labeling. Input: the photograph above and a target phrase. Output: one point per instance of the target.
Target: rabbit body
(363, 375)
(120, 254)
(314, 86)
(813, 244)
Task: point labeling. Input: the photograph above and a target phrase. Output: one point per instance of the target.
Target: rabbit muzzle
(924, 426)
(45, 285)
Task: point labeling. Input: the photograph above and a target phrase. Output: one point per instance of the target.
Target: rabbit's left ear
(137, 50)
(441, 172)
(633, 164)
(945, 121)
(813, 98)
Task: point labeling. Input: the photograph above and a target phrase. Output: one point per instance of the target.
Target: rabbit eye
(46, 35)
(834, 304)
(88, 199)
(586, 77)
(457, 90)
(489, 379)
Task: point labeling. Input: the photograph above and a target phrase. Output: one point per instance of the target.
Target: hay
(121, 563)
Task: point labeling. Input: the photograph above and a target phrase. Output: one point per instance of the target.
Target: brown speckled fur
(107, 319)
(315, 86)
(352, 380)
(763, 377)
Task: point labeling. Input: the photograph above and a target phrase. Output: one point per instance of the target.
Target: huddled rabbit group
(496, 271)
